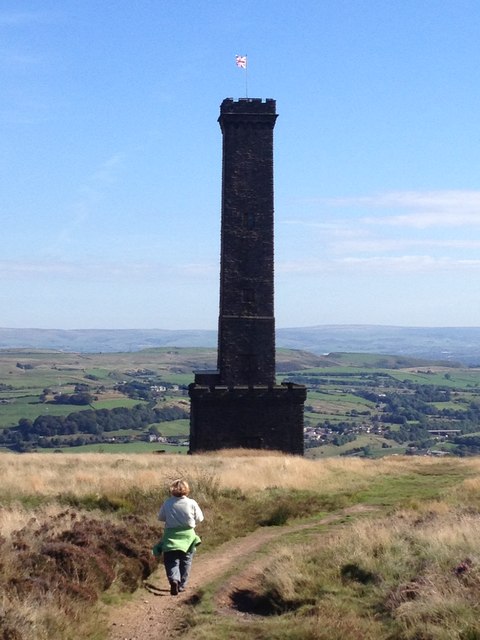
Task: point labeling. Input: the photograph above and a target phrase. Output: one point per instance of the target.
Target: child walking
(180, 515)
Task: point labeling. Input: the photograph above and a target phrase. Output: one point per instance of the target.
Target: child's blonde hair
(179, 488)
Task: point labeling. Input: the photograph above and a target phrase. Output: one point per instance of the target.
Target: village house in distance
(239, 404)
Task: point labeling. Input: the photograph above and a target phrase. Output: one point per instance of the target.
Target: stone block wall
(256, 417)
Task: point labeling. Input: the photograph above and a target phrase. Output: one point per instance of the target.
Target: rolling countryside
(357, 404)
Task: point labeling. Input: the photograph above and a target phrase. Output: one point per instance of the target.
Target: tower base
(249, 417)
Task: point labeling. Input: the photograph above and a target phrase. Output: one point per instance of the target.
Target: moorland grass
(81, 496)
(246, 471)
(412, 575)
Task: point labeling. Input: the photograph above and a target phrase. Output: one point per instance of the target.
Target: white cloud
(415, 209)
(298, 222)
(383, 265)
(413, 263)
(418, 209)
(388, 231)
(384, 245)
(94, 270)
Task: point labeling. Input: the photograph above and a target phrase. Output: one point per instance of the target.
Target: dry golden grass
(28, 619)
(421, 569)
(338, 621)
(113, 474)
(468, 493)
(421, 545)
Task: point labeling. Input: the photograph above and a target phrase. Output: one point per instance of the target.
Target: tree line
(27, 433)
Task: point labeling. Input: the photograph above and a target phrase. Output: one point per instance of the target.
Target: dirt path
(153, 613)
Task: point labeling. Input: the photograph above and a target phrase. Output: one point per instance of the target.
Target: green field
(374, 442)
(174, 428)
(29, 407)
(345, 392)
(26, 407)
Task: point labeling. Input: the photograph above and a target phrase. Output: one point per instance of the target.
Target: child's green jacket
(177, 539)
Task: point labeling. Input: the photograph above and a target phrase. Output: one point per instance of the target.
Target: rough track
(153, 613)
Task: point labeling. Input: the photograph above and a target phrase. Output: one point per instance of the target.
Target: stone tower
(239, 404)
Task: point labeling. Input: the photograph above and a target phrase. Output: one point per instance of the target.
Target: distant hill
(452, 344)
(103, 340)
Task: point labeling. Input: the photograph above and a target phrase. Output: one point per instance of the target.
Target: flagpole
(242, 63)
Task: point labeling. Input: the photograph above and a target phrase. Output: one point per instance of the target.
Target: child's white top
(180, 512)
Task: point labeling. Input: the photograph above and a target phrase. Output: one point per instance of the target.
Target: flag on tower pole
(241, 62)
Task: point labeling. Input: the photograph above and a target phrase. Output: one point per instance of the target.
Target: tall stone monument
(239, 404)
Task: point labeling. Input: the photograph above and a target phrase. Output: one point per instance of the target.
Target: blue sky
(110, 160)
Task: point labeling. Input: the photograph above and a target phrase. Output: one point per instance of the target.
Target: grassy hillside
(77, 532)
